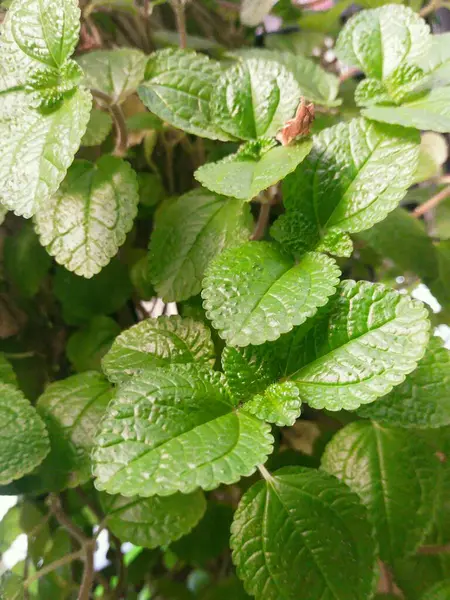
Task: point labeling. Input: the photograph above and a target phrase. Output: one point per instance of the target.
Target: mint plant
(213, 355)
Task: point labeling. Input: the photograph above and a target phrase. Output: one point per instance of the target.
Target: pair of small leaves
(405, 65)
(357, 348)
(44, 112)
(86, 221)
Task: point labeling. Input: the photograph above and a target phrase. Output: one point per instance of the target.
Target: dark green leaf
(87, 346)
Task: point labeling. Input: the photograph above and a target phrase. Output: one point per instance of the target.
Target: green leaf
(209, 538)
(21, 448)
(433, 155)
(286, 529)
(7, 374)
(363, 343)
(280, 404)
(10, 528)
(226, 589)
(87, 346)
(189, 234)
(329, 21)
(440, 591)
(158, 343)
(11, 586)
(26, 262)
(436, 63)
(365, 170)
(379, 41)
(98, 128)
(116, 73)
(253, 12)
(394, 472)
(430, 112)
(176, 429)
(256, 292)
(178, 87)
(45, 142)
(83, 299)
(254, 98)
(244, 174)
(315, 83)
(71, 409)
(87, 220)
(423, 399)
(156, 521)
(404, 240)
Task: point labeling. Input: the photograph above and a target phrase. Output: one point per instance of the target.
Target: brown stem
(262, 222)
(431, 550)
(56, 507)
(429, 8)
(385, 584)
(88, 572)
(119, 121)
(432, 202)
(180, 17)
(61, 562)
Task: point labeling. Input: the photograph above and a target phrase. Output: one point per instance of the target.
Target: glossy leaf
(71, 409)
(363, 343)
(244, 174)
(158, 343)
(380, 40)
(174, 430)
(189, 234)
(87, 346)
(116, 73)
(254, 98)
(156, 521)
(87, 220)
(395, 473)
(23, 436)
(365, 170)
(280, 404)
(256, 292)
(291, 524)
(178, 87)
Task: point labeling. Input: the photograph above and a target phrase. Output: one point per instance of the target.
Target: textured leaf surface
(23, 437)
(178, 87)
(87, 220)
(156, 521)
(45, 142)
(174, 430)
(423, 399)
(115, 72)
(158, 343)
(430, 112)
(98, 128)
(254, 98)
(395, 474)
(256, 292)
(436, 63)
(189, 234)
(243, 176)
(292, 524)
(379, 41)
(87, 346)
(362, 344)
(365, 170)
(72, 409)
(280, 404)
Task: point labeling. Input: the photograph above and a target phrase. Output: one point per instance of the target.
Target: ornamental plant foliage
(212, 354)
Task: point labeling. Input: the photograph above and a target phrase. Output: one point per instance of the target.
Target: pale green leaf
(188, 235)
(176, 429)
(423, 399)
(72, 409)
(254, 98)
(394, 472)
(178, 87)
(430, 112)
(23, 437)
(87, 220)
(158, 343)
(280, 404)
(10, 528)
(7, 374)
(156, 521)
(256, 292)
(436, 63)
(433, 155)
(253, 12)
(11, 586)
(324, 21)
(98, 128)
(45, 142)
(303, 534)
(365, 170)
(244, 174)
(116, 73)
(363, 343)
(380, 40)
(440, 591)
(87, 346)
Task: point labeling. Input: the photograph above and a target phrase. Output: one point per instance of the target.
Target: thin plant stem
(432, 202)
(119, 121)
(61, 562)
(429, 8)
(262, 222)
(56, 508)
(180, 17)
(386, 585)
(264, 472)
(433, 550)
(88, 572)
